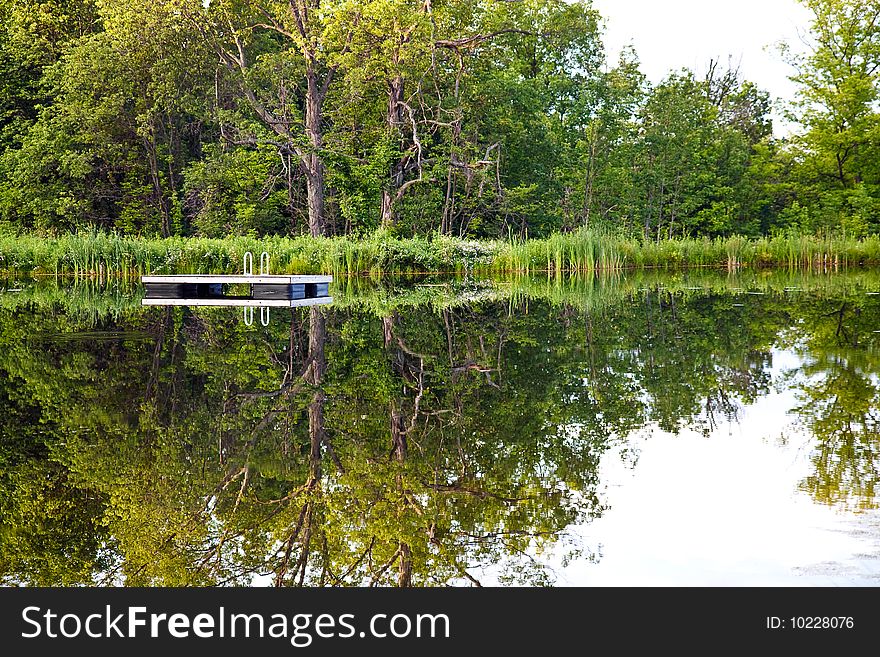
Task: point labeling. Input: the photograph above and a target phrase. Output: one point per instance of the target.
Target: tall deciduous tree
(284, 59)
(839, 78)
(33, 35)
(109, 144)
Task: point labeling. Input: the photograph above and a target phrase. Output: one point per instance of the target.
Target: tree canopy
(478, 118)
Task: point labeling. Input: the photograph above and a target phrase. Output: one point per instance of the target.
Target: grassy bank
(105, 254)
(110, 255)
(586, 251)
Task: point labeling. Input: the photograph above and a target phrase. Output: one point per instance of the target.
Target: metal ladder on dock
(248, 270)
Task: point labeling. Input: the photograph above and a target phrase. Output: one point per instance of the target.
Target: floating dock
(270, 279)
(237, 302)
(203, 289)
(265, 290)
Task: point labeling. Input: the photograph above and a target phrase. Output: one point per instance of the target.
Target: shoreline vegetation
(111, 255)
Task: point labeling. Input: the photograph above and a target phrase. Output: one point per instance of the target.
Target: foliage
(478, 119)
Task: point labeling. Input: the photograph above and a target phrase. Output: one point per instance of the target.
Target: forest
(476, 119)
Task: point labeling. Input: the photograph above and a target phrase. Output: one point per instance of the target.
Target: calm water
(698, 429)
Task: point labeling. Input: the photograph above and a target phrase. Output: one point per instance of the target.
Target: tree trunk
(394, 118)
(314, 376)
(159, 194)
(317, 337)
(404, 570)
(591, 169)
(398, 439)
(313, 163)
(399, 450)
(660, 207)
(449, 199)
(840, 173)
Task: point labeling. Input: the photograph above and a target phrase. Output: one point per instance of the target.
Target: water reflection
(407, 434)
(839, 394)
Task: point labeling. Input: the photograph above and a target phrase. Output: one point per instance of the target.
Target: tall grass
(582, 251)
(104, 255)
(101, 254)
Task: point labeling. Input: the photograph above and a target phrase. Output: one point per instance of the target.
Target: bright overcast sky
(672, 34)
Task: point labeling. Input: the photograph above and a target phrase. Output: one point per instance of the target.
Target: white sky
(672, 34)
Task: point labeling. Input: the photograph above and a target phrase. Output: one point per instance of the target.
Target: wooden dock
(211, 289)
(269, 279)
(237, 302)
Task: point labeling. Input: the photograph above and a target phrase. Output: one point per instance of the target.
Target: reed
(602, 251)
(102, 255)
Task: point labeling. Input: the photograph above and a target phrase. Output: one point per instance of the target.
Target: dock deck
(264, 279)
(214, 289)
(238, 302)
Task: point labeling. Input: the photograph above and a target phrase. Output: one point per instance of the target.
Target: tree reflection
(385, 445)
(839, 391)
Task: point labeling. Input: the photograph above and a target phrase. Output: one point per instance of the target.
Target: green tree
(837, 106)
(110, 148)
(34, 35)
(607, 148)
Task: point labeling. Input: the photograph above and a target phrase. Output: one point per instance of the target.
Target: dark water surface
(696, 429)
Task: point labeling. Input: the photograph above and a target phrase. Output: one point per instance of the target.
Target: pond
(700, 429)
